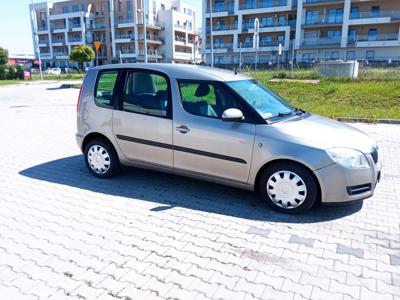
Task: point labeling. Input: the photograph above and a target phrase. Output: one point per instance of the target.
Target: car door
(203, 143)
(142, 122)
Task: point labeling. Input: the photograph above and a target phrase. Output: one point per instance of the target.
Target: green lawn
(375, 95)
(10, 82)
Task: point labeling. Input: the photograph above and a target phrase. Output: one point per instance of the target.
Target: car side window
(146, 93)
(205, 99)
(105, 88)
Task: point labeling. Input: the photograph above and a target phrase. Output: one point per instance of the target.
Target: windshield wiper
(281, 114)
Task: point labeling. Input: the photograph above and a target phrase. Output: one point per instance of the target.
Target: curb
(371, 121)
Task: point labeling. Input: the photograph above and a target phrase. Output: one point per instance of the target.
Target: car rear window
(105, 88)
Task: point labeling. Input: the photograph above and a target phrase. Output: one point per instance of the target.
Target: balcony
(42, 29)
(323, 20)
(75, 27)
(77, 39)
(262, 44)
(322, 1)
(250, 25)
(57, 27)
(321, 42)
(222, 7)
(124, 23)
(223, 27)
(43, 43)
(379, 40)
(262, 4)
(220, 47)
(152, 39)
(98, 26)
(58, 41)
(182, 26)
(393, 14)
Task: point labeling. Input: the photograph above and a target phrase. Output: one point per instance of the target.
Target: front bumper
(339, 184)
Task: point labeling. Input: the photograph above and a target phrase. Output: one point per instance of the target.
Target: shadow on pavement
(176, 191)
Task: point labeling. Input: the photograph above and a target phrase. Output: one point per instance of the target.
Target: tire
(101, 159)
(288, 188)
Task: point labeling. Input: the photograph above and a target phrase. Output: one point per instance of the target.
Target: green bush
(3, 73)
(11, 72)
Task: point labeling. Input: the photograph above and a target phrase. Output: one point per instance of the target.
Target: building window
(308, 57)
(375, 11)
(372, 34)
(335, 16)
(350, 55)
(312, 17)
(65, 9)
(370, 55)
(331, 55)
(354, 13)
(119, 5)
(75, 8)
(83, 7)
(352, 35)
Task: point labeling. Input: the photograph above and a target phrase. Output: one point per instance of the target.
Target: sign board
(256, 37)
(280, 49)
(97, 45)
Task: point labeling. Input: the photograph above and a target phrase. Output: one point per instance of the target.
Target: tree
(81, 54)
(3, 56)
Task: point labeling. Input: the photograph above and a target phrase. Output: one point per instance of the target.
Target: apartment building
(127, 29)
(307, 30)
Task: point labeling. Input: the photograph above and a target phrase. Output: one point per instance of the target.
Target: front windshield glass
(265, 102)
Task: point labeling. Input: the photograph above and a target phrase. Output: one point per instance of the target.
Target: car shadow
(176, 191)
(61, 87)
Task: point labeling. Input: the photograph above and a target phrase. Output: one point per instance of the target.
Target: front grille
(374, 155)
(358, 189)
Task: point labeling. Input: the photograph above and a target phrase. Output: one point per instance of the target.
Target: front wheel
(101, 159)
(288, 188)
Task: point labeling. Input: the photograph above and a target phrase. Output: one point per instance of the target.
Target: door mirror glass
(232, 115)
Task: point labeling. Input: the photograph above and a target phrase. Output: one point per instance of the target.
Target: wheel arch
(284, 160)
(94, 135)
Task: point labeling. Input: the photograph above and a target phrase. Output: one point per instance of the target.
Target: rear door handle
(183, 129)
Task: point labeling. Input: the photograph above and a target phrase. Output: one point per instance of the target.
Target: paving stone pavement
(146, 235)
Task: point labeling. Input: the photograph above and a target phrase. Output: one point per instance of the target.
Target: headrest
(202, 90)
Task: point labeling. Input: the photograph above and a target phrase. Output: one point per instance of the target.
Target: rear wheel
(288, 187)
(101, 159)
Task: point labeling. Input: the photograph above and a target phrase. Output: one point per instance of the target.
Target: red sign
(27, 75)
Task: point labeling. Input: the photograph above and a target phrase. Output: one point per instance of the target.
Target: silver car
(224, 127)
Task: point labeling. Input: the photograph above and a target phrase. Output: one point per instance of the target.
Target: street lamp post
(36, 39)
(256, 39)
(143, 11)
(211, 36)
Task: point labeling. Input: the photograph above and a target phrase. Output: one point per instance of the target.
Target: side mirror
(232, 115)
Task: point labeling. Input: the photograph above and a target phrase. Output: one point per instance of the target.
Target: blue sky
(15, 28)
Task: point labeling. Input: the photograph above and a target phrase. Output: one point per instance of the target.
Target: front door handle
(183, 129)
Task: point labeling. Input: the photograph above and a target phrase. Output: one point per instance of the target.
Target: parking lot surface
(146, 235)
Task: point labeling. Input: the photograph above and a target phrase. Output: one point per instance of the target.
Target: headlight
(348, 158)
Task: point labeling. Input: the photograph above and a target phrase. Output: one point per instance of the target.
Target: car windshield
(265, 102)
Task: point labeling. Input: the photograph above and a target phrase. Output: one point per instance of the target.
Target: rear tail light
(79, 99)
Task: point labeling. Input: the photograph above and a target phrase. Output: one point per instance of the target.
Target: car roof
(182, 71)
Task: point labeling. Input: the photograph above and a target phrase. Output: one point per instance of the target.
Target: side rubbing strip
(181, 149)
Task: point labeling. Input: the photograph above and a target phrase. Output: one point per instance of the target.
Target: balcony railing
(374, 38)
(321, 1)
(98, 26)
(323, 20)
(41, 42)
(74, 39)
(323, 41)
(126, 51)
(247, 26)
(262, 4)
(42, 28)
(151, 53)
(55, 27)
(394, 14)
(222, 7)
(60, 53)
(223, 27)
(74, 26)
(261, 44)
(152, 38)
(57, 41)
(228, 46)
(124, 21)
(124, 36)
(181, 26)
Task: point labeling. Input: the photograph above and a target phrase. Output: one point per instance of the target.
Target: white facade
(307, 30)
(118, 24)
